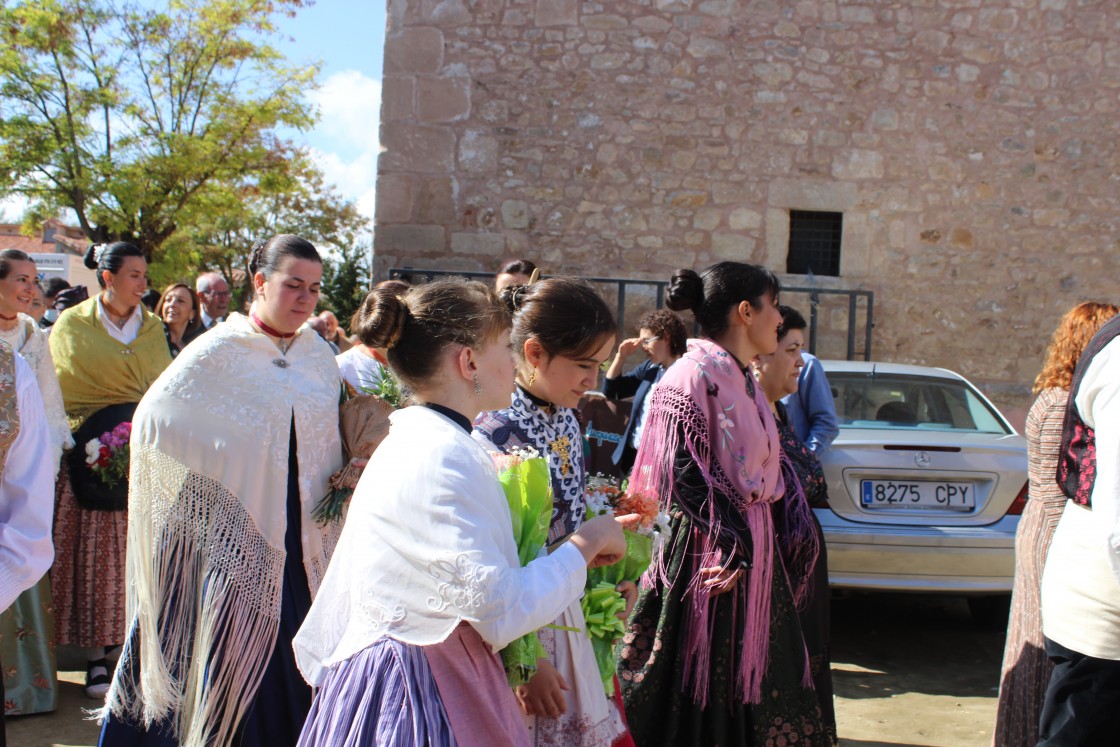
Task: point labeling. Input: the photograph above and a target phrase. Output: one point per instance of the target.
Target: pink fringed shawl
(703, 405)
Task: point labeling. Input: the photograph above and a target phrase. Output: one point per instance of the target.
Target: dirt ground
(908, 672)
(913, 671)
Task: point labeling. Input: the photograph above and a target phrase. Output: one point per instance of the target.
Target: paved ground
(908, 672)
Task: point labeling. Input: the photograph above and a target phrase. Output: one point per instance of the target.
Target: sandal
(97, 679)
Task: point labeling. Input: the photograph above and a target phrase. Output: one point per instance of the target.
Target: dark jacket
(634, 383)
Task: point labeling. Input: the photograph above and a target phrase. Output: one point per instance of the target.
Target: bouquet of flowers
(363, 422)
(107, 455)
(527, 485)
(602, 602)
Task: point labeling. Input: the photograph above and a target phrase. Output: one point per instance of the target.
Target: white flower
(93, 451)
(660, 532)
(524, 453)
(597, 503)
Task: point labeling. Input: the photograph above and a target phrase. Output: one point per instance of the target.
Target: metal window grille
(814, 243)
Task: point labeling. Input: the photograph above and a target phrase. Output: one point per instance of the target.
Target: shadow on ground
(884, 645)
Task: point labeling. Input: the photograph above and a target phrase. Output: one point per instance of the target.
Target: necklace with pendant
(114, 317)
(561, 447)
(558, 444)
(283, 339)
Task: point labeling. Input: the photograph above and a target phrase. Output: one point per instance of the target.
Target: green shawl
(95, 370)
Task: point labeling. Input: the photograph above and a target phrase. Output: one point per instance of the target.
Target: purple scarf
(706, 405)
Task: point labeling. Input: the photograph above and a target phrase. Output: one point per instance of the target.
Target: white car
(926, 482)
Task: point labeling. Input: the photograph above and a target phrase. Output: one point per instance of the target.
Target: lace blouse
(27, 339)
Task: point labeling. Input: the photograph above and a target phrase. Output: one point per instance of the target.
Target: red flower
(645, 506)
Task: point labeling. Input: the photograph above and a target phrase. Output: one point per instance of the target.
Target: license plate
(955, 496)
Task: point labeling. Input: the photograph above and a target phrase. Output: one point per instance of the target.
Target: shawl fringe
(674, 414)
(201, 576)
(799, 547)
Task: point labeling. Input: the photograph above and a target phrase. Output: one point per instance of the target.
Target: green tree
(140, 120)
(346, 280)
(220, 230)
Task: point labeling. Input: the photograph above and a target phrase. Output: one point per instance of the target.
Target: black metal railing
(816, 297)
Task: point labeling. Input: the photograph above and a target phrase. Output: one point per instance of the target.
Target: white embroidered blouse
(26, 490)
(428, 543)
(27, 339)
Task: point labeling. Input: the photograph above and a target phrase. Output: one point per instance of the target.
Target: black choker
(544, 404)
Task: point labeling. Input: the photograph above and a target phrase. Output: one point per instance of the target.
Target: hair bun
(255, 256)
(686, 291)
(93, 255)
(386, 320)
(513, 296)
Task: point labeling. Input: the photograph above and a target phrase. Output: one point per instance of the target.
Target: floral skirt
(592, 719)
(88, 575)
(27, 652)
(816, 625)
(660, 709)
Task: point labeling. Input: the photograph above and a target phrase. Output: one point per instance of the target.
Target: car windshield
(902, 401)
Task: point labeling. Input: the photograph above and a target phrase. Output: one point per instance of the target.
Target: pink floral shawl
(705, 405)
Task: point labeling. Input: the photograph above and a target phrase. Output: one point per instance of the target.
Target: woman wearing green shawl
(107, 350)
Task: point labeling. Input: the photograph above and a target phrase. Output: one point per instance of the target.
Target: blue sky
(348, 38)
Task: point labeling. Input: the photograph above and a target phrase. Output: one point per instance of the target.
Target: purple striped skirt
(384, 695)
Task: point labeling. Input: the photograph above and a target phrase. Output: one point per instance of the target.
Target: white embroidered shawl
(27, 339)
(428, 543)
(207, 519)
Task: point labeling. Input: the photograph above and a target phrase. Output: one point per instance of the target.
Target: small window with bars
(814, 242)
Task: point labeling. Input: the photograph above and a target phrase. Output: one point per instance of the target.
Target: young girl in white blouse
(425, 584)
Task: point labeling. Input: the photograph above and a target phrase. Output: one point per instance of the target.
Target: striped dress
(1026, 668)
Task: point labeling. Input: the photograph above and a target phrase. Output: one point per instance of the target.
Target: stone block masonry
(972, 147)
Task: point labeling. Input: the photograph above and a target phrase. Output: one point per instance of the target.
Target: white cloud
(349, 104)
(344, 142)
(355, 178)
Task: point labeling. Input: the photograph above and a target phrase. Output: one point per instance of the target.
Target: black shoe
(97, 679)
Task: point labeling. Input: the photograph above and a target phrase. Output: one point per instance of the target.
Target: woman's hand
(628, 346)
(543, 695)
(629, 592)
(625, 348)
(720, 580)
(601, 539)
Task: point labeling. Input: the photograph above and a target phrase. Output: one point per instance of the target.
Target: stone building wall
(971, 145)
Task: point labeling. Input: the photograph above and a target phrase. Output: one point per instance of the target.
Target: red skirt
(88, 576)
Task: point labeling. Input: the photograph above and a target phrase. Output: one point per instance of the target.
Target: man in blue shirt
(811, 410)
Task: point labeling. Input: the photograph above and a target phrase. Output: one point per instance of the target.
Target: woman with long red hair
(1026, 668)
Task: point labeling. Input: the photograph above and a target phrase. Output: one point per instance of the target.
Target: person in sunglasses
(662, 337)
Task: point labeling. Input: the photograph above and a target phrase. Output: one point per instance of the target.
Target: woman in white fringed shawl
(232, 448)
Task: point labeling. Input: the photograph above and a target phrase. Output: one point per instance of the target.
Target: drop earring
(477, 386)
(532, 377)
